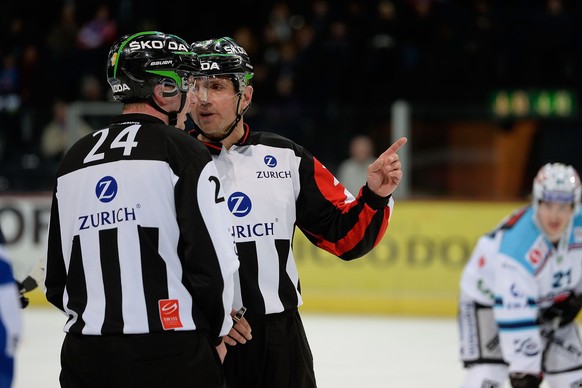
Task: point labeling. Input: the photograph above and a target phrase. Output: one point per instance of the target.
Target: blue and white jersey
(518, 272)
(10, 318)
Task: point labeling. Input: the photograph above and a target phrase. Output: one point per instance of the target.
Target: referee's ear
(247, 96)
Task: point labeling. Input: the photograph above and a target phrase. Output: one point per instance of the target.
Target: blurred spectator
(343, 93)
(91, 89)
(247, 39)
(15, 38)
(33, 74)
(554, 43)
(320, 15)
(322, 67)
(381, 55)
(94, 39)
(279, 20)
(63, 34)
(61, 42)
(420, 39)
(35, 110)
(9, 84)
(60, 133)
(98, 32)
(10, 136)
(284, 111)
(353, 172)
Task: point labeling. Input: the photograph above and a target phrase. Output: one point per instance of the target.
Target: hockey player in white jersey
(522, 289)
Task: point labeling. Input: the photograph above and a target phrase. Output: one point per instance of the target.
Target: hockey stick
(33, 279)
(555, 323)
(31, 282)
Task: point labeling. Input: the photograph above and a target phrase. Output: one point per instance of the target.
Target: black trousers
(278, 356)
(176, 359)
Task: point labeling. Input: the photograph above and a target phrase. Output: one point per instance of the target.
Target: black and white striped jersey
(273, 185)
(138, 237)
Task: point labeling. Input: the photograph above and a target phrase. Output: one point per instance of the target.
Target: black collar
(131, 118)
(215, 146)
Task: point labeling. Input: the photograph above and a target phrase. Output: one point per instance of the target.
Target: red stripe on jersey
(210, 145)
(330, 187)
(515, 217)
(334, 192)
(355, 235)
(246, 135)
(384, 225)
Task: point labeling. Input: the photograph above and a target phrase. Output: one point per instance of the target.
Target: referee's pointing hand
(385, 173)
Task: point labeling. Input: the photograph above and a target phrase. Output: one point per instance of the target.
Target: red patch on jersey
(170, 313)
(535, 256)
(481, 263)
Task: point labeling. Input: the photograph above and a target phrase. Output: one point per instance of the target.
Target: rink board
(413, 271)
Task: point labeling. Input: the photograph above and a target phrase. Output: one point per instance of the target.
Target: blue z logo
(106, 189)
(239, 204)
(270, 161)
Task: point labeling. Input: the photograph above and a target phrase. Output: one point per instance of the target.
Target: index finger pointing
(395, 146)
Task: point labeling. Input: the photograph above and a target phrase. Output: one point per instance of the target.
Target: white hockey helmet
(557, 182)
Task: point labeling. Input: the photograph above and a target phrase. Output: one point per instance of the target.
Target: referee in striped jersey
(140, 257)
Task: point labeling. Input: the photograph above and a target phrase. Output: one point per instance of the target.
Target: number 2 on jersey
(217, 197)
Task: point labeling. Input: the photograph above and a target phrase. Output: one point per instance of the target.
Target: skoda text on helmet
(557, 182)
(137, 63)
(225, 57)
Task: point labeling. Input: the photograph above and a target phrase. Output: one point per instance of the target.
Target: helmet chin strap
(231, 127)
(172, 116)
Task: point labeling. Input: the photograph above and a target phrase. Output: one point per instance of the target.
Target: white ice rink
(349, 351)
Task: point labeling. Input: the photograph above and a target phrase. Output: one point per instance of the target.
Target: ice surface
(349, 351)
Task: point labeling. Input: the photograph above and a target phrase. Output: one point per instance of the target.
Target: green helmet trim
(168, 74)
(172, 74)
(122, 46)
(217, 55)
(247, 75)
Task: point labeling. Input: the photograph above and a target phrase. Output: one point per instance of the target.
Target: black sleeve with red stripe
(347, 230)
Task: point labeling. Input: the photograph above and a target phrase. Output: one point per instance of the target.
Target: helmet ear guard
(166, 84)
(240, 81)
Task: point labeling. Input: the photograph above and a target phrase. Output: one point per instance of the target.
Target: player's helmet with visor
(557, 182)
(137, 63)
(224, 57)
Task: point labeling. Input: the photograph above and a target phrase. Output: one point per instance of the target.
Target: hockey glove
(23, 299)
(524, 380)
(27, 285)
(567, 310)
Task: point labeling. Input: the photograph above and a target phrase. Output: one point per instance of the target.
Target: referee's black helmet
(223, 56)
(138, 62)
